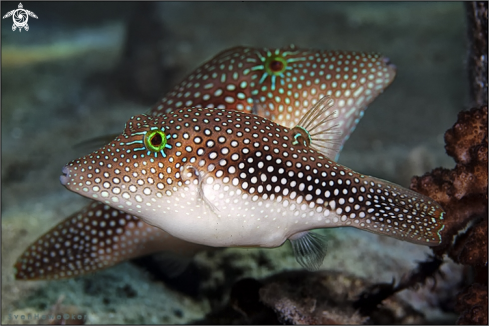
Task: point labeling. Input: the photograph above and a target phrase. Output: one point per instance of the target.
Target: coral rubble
(371, 299)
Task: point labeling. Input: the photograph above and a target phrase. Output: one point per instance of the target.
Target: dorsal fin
(317, 129)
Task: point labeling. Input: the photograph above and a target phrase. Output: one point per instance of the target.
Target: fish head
(134, 172)
(290, 81)
(172, 171)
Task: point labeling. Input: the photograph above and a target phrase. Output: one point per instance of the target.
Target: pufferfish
(224, 178)
(280, 84)
(283, 84)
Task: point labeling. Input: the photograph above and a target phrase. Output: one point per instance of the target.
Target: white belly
(229, 217)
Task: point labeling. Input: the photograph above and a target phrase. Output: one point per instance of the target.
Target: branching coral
(462, 191)
(477, 56)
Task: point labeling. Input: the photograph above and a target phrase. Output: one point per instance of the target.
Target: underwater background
(83, 69)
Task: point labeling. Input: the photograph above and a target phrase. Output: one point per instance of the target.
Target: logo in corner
(20, 17)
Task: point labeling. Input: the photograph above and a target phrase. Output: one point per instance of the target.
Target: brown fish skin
(283, 84)
(92, 239)
(249, 98)
(225, 178)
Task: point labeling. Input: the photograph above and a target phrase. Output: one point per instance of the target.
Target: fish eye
(275, 65)
(155, 140)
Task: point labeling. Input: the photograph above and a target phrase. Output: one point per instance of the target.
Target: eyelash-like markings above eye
(275, 64)
(154, 141)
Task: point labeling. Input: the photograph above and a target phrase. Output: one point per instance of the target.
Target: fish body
(226, 178)
(283, 84)
(96, 237)
(280, 84)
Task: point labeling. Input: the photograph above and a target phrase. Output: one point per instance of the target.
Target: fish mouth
(388, 63)
(65, 177)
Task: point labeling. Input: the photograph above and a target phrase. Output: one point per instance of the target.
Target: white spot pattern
(282, 84)
(94, 238)
(316, 181)
(236, 93)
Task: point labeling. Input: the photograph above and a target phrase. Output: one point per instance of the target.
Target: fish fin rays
(309, 249)
(317, 129)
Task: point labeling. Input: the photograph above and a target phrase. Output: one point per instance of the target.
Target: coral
(462, 191)
(471, 248)
(472, 304)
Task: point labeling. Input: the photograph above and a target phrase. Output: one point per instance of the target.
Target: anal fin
(309, 249)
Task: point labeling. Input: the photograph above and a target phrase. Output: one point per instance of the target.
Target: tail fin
(389, 209)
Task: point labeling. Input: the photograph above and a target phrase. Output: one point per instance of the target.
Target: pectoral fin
(189, 173)
(309, 249)
(319, 130)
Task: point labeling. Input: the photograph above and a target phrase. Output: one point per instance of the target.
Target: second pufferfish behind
(225, 178)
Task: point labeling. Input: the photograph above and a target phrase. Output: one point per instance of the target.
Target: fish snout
(390, 70)
(65, 177)
(392, 67)
(388, 62)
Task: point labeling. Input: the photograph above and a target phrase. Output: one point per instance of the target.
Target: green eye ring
(275, 65)
(156, 141)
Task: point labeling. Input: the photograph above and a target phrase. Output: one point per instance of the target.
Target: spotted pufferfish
(280, 84)
(224, 178)
(283, 84)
